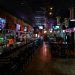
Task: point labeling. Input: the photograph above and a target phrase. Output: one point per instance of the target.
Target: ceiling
(60, 7)
(25, 8)
(17, 8)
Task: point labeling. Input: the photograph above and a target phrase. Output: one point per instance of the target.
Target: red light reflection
(45, 54)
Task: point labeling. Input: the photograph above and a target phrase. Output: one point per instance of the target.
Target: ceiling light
(50, 13)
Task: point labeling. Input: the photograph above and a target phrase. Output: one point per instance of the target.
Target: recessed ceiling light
(50, 13)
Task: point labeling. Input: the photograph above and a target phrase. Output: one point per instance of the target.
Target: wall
(11, 20)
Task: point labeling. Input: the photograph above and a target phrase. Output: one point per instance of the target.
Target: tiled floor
(43, 64)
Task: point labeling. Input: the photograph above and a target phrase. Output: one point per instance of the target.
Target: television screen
(2, 23)
(17, 27)
(40, 27)
(25, 29)
(56, 27)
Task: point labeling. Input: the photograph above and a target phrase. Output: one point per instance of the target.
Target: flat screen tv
(2, 23)
(25, 29)
(57, 27)
(40, 27)
(18, 27)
